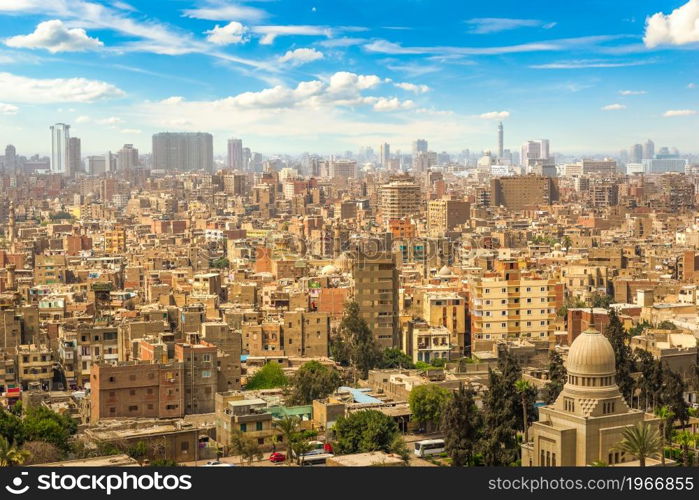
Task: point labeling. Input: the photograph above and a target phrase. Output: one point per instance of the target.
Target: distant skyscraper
(501, 144)
(235, 154)
(636, 153)
(534, 150)
(183, 151)
(60, 136)
(419, 146)
(385, 155)
(74, 158)
(648, 150)
(127, 158)
(10, 163)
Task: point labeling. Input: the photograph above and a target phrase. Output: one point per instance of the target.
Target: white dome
(445, 271)
(591, 354)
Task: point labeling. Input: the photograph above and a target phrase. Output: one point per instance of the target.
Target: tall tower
(385, 155)
(235, 154)
(10, 160)
(501, 147)
(60, 136)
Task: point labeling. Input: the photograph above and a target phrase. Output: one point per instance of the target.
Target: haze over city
(326, 77)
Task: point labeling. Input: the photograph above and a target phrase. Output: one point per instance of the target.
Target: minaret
(501, 147)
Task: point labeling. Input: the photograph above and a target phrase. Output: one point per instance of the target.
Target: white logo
(17, 483)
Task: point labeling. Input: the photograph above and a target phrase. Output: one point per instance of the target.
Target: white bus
(429, 447)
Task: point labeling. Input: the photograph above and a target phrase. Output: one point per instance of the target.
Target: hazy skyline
(294, 76)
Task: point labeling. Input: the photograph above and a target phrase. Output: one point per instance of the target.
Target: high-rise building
(127, 158)
(10, 162)
(385, 155)
(636, 153)
(501, 143)
(419, 146)
(532, 151)
(74, 155)
(376, 292)
(60, 135)
(235, 154)
(183, 151)
(399, 198)
(516, 193)
(648, 150)
(445, 215)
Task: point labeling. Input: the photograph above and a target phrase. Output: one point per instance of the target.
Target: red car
(277, 457)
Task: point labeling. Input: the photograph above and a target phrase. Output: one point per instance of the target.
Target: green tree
(300, 446)
(524, 389)
(557, 378)
(622, 355)
(461, 425)
(427, 403)
(246, 447)
(288, 428)
(11, 427)
(395, 358)
(138, 451)
(650, 382)
(313, 380)
(42, 424)
(667, 325)
(354, 344)
(271, 375)
(10, 455)
(672, 393)
(220, 263)
(641, 441)
(502, 413)
(363, 431)
(685, 439)
(666, 417)
(601, 300)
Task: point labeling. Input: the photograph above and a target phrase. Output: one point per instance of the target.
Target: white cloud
(412, 87)
(270, 33)
(495, 115)
(298, 57)
(691, 85)
(680, 27)
(17, 88)
(134, 131)
(485, 25)
(391, 104)
(112, 120)
(232, 33)
(679, 112)
(341, 42)
(589, 63)
(613, 107)
(82, 119)
(219, 11)
(8, 109)
(55, 37)
(632, 92)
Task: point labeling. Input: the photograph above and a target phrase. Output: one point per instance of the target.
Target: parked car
(277, 457)
(217, 463)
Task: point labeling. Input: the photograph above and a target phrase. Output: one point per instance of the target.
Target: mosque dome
(591, 354)
(445, 271)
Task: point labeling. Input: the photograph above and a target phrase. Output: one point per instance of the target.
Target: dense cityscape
(173, 302)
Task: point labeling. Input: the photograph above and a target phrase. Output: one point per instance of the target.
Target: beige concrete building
(399, 199)
(445, 215)
(587, 421)
(376, 292)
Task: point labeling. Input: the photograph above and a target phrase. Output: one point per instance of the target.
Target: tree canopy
(269, 376)
(364, 431)
(462, 426)
(427, 403)
(313, 380)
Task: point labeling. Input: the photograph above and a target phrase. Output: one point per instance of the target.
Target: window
(133, 408)
(206, 373)
(184, 446)
(243, 427)
(258, 426)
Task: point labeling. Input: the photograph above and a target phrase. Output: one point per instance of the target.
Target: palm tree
(11, 455)
(522, 387)
(685, 440)
(641, 441)
(300, 447)
(665, 415)
(288, 427)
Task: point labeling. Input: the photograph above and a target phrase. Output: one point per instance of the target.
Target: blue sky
(333, 75)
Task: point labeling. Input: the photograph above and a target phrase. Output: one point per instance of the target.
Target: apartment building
(376, 293)
(199, 361)
(445, 215)
(133, 389)
(448, 310)
(518, 307)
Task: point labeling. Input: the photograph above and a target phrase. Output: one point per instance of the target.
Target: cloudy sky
(333, 75)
